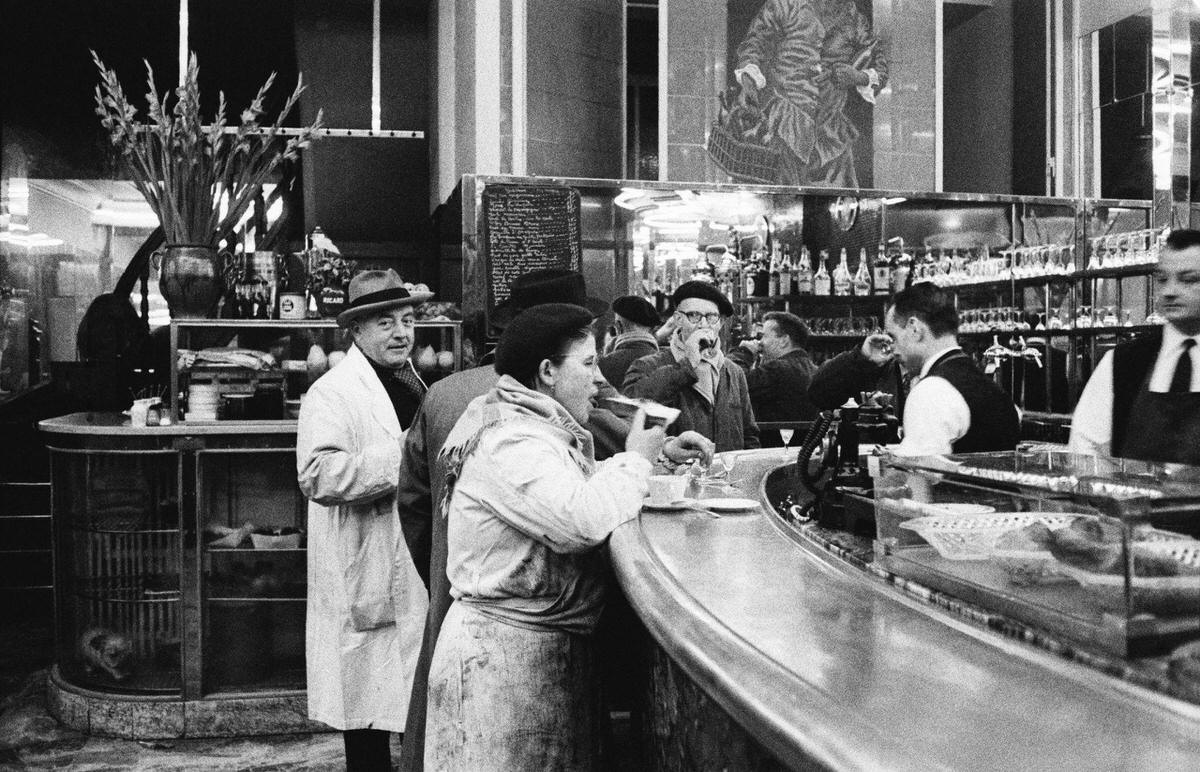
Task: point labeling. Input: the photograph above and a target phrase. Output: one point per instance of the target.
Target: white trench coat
(366, 602)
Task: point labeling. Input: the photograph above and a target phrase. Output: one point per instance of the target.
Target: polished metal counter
(116, 424)
(821, 662)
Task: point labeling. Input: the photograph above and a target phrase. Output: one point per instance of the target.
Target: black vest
(994, 421)
(1132, 363)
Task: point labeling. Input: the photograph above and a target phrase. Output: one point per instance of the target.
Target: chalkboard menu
(527, 227)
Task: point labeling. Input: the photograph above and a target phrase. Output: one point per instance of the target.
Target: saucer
(729, 505)
(673, 506)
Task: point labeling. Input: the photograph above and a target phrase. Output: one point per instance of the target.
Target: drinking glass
(786, 436)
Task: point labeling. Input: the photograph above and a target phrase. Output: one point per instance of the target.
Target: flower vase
(331, 301)
(190, 279)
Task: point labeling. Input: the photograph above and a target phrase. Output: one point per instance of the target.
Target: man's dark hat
(374, 291)
(704, 291)
(545, 285)
(536, 334)
(637, 310)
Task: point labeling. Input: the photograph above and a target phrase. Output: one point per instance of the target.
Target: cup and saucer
(668, 492)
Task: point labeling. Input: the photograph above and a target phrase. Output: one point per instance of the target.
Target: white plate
(729, 505)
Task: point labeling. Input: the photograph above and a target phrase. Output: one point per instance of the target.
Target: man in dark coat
(693, 375)
(870, 367)
(634, 324)
(779, 383)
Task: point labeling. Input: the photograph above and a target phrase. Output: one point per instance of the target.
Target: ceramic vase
(189, 278)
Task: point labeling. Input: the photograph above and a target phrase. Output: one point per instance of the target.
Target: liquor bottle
(901, 270)
(841, 276)
(785, 273)
(748, 272)
(861, 283)
(762, 275)
(822, 283)
(774, 277)
(882, 271)
(803, 273)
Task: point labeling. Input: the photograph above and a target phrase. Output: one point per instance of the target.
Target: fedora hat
(375, 291)
(545, 285)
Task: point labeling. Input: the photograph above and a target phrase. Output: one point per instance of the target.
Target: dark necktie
(1181, 382)
(408, 377)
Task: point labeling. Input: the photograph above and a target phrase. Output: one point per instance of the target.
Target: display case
(1099, 551)
(180, 577)
(230, 370)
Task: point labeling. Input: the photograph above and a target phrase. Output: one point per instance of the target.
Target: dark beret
(704, 291)
(636, 309)
(537, 333)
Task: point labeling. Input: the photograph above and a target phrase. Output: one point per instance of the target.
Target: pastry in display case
(260, 370)
(1100, 551)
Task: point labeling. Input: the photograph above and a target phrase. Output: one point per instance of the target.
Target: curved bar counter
(794, 658)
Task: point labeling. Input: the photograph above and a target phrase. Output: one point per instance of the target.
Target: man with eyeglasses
(693, 375)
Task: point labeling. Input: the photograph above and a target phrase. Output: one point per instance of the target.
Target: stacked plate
(202, 402)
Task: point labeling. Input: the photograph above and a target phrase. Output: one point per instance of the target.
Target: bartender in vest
(1142, 400)
(953, 407)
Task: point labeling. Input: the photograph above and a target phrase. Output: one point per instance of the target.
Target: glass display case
(241, 369)
(1099, 551)
(118, 560)
(180, 576)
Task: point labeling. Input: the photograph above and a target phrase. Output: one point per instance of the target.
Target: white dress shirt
(935, 413)
(1091, 425)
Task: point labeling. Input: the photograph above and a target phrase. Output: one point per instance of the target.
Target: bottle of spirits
(748, 272)
(842, 279)
(901, 270)
(762, 275)
(774, 277)
(785, 273)
(822, 283)
(803, 273)
(882, 271)
(861, 283)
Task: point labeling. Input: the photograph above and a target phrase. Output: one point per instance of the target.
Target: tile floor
(30, 739)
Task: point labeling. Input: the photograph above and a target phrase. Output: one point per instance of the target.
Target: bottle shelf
(815, 299)
(1081, 332)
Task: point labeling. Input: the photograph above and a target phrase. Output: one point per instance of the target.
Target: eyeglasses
(695, 317)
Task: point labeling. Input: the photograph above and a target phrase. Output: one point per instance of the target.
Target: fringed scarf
(510, 402)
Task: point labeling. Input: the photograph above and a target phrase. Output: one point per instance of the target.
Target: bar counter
(773, 653)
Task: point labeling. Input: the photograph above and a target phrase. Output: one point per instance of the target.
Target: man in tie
(1142, 400)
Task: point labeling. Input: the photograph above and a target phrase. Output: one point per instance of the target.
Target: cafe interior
(1029, 156)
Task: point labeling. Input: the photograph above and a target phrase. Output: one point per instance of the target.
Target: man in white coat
(366, 601)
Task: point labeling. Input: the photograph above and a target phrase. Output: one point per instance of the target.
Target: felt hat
(637, 310)
(375, 291)
(703, 291)
(545, 285)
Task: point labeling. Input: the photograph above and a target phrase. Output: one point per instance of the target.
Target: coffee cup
(666, 489)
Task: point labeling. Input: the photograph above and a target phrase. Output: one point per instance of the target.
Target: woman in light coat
(366, 602)
(511, 682)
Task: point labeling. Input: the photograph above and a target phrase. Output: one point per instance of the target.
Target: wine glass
(786, 435)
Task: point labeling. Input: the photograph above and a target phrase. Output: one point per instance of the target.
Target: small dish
(728, 505)
(673, 506)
